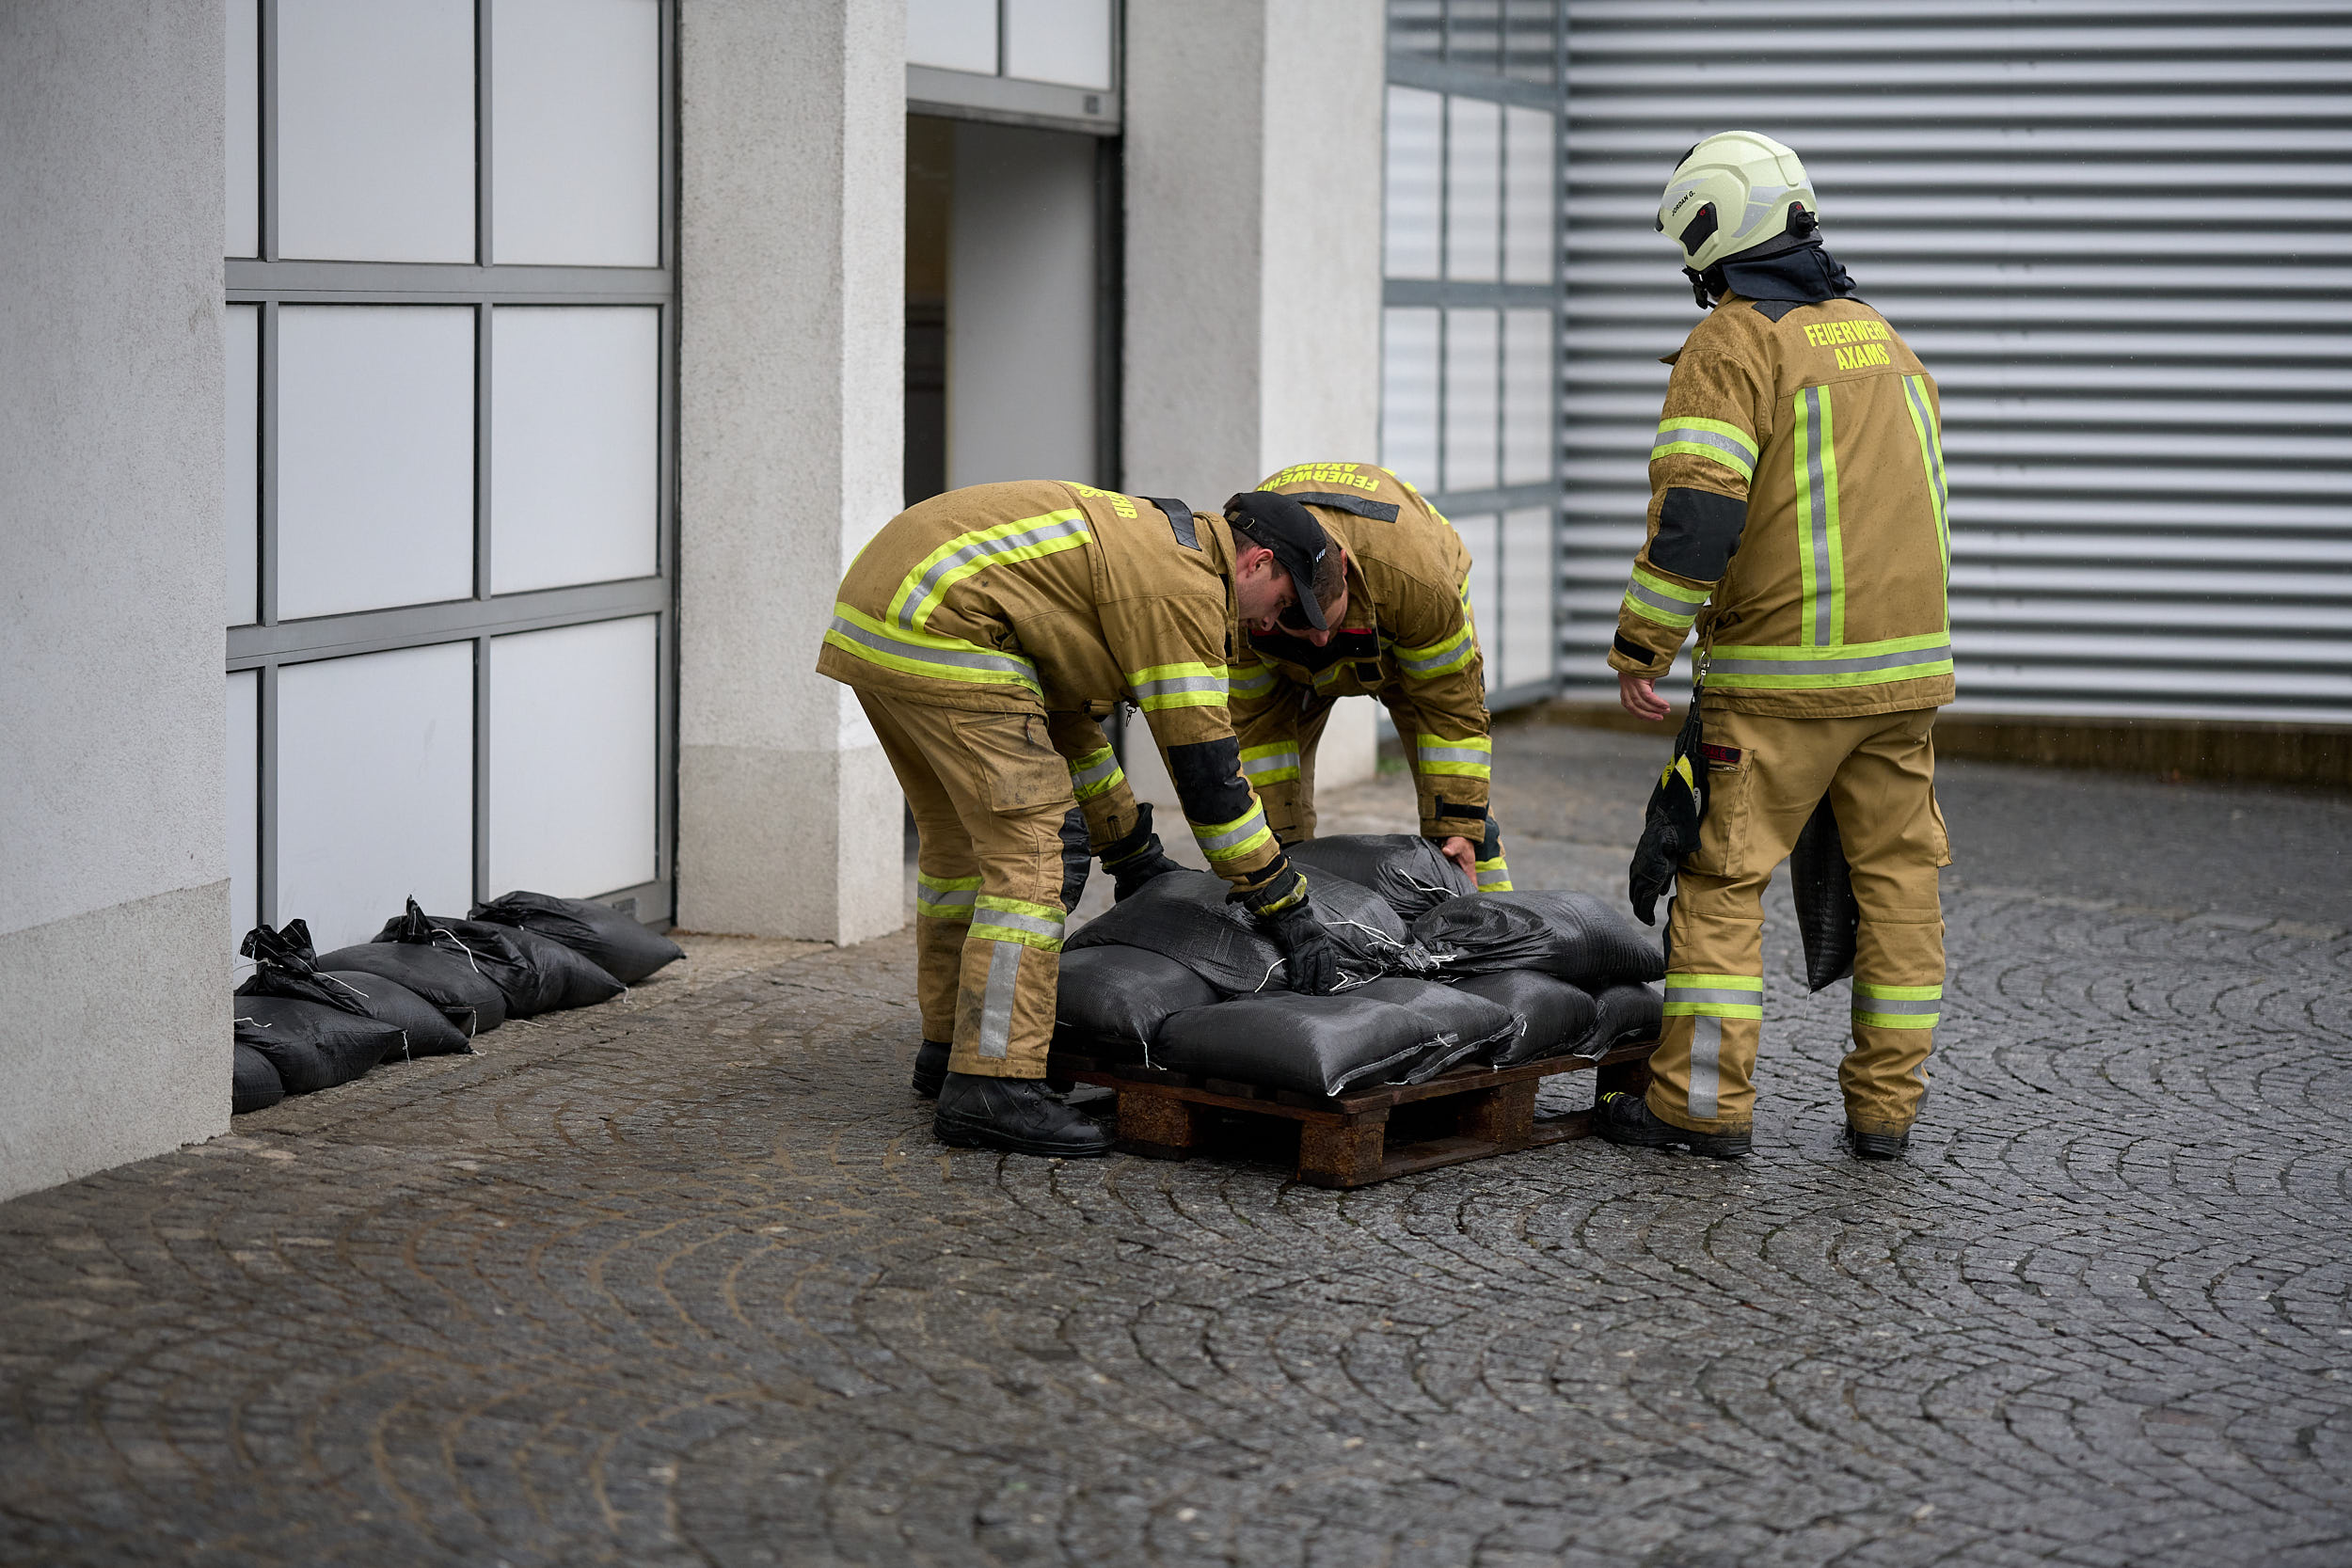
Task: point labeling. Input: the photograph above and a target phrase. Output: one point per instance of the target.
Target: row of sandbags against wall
(425, 986)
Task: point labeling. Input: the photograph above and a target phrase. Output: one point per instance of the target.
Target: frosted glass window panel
(375, 789)
(1528, 40)
(574, 440)
(1528, 196)
(376, 130)
(1473, 190)
(572, 763)
(241, 501)
(1525, 655)
(1409, 222)
(1479, 534)
(576, 132)
(1527, 434)
(243, 139)
(1067, 42)
(1409, 394)
(376, 433)
(952, 35)
(1471, 411)
(245, 803)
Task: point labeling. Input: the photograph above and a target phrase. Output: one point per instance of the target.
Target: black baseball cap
(1270, 518)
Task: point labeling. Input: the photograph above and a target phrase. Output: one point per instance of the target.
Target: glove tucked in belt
(1669, 826)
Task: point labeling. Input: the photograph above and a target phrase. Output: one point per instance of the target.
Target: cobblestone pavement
(684, 1280)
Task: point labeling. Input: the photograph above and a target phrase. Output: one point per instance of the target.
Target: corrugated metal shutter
(2120, 237)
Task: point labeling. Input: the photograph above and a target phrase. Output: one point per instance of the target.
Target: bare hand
(1637, 697)
(1458, 850)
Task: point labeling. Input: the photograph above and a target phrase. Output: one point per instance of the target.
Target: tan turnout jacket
(1797, 516)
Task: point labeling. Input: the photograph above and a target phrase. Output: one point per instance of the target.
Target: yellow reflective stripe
(1227, 841)
(946, 898)
(1182, 685)
(1493, 876)
(1716, 440)
(1923, 424)
(1896, 1006)
(1250, 680)
(1037, 926)
(1714, 996)
(1025, 539)
(1821, 547)
(1263, 764)
(1470, 759)
(1669, 604)
(1785, 669)
(923, 653)
(1096, 773)
(1441, 657)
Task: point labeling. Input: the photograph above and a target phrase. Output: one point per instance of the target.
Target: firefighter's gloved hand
(1310, 963)
(1137, 857)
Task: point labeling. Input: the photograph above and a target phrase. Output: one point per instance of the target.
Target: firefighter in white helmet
(1797, 521)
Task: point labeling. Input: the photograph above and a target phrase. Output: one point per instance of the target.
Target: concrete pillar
(1252, 335)
(114, 891)
(792, 217)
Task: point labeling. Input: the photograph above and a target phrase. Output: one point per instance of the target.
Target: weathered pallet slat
(1348, 1140)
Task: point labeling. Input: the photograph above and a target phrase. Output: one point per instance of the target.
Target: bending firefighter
(1403, 634)
(1796, 518)
(986, 633)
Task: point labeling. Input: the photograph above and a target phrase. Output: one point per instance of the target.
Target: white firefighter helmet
(1731, 193)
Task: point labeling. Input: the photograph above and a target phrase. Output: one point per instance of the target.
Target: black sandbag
(443, 976)
(1407, 870)
(1625, 1013)
(1317, 1045)
(614, 943)
(1113, 1000)
(1553, 1014)
(1186, 916)
(1572, 935)
(1478, 1025)
(254, 1084)
(535, 973)
(1828, 919)
(284, 964)
(311, 1045)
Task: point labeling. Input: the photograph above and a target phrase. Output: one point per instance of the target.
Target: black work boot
(1627, 1118)
(930, 1066)
(1021, 1115)
(1876, 1146)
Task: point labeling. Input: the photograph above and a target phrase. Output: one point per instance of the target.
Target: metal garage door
(2120, 237)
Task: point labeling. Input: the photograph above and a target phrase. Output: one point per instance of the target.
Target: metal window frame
(1444, 295)
(1003, 100)
(270, 644)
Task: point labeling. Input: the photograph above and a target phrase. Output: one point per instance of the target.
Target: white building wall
(1252, 330)
(791, 214)
(115, 1041)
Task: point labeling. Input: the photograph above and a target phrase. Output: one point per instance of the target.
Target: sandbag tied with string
(1187, 917)
(312, 1033)
(1572, 935)
(285, 965)
(535, 973)
(618, 943)
(1410, 874)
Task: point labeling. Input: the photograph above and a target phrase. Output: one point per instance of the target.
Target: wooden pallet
(1365, 1135)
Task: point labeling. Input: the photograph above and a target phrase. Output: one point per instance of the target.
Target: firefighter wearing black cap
(1404, 635)
(1797, 519)
(985, 632)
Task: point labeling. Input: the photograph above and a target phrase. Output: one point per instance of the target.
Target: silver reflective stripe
(1252, 767)
(1715, 993)
(1012, 922)
(1716, 438)
(1454, 753)
(1212, 843)
(1935, 445)
(1706, 1048)
(1004, 975)
(1824, 569)
(1179, 683)
(1086, 778)
(976, 550)
(1934, 654)
(947, 897)
(1447, 653)
(974, 660)
(1681, 609)
(1877, 1004)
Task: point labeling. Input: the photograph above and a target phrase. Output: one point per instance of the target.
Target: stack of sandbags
(425, 986)
(1434, 976)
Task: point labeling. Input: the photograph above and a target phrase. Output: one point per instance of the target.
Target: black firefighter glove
(1310, 963)
(1137, 857)
(1670, 828)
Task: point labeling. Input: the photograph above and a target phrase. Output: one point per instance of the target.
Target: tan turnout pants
(990, 793)
(1765, 778)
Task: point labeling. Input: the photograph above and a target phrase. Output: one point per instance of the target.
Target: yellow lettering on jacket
(1324, 474)
(1120, 503)
(1862, 358)
(1831, 334)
